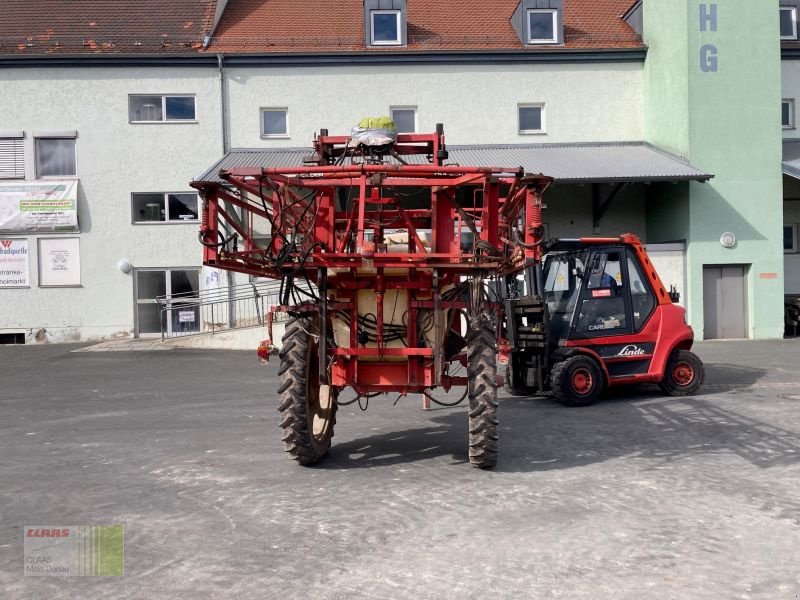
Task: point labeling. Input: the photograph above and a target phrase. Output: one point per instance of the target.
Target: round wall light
(728, 240)
(125, 266)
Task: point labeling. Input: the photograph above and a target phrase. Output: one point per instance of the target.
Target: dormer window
(385, 23)
(542, 26)
(788, 23)
(539, 22)
(385, 28)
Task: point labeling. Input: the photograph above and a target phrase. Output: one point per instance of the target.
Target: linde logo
(631, 350)
(49, 533)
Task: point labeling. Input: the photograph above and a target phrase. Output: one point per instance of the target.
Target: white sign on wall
(14, 263)
(59, 262)
(39, 206)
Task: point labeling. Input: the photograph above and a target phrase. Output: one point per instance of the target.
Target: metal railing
(218, 309)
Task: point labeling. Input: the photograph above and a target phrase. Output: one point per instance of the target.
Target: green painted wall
(725, 119)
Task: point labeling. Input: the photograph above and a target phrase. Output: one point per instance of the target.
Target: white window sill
(170, 222)
(170, 122)
(54, 177)
(275, 136)
(531, 132)
(542, 42)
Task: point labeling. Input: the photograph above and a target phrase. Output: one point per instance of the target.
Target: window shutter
(12, 158)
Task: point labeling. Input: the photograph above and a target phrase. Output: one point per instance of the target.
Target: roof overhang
(565, 163)
(791, 158)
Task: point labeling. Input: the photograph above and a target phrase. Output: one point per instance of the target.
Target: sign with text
(14, 263)
(69, 550)
(59, 262)
(39, 206)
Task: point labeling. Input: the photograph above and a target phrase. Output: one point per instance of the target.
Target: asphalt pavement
(639, 496)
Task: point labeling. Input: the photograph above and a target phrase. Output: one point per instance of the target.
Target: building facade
(654, 117)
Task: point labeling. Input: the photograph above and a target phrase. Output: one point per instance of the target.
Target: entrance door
(151, 283)
(725, 302)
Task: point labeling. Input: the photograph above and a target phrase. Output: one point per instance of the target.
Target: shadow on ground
(538, 434)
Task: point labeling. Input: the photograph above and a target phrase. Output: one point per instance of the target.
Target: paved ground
(637, 497)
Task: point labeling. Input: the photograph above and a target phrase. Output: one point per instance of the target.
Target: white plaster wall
(568, 212)
(476, 103)
(114, 159)
(790, 88)
(670, 263)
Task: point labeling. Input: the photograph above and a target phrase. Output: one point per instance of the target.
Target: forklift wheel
(684, 374)
(576, 381)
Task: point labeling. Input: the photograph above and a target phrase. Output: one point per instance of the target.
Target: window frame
(168, 291)
(273, 136)
(529, 34)
(791, 124)
(405, 107)
(399, 19)
(16, 141)
(540, 106)
(793, 249)
(36, 139)
(166, 220)
(163, 109)
(793, 11)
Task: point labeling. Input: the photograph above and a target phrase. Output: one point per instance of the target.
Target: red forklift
(594, 314)
(403, 274)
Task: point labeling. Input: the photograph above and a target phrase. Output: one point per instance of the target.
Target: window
(642, 300)
(531, 118)
(385, 28)
(12, 155)
(182, 312)
(157, 109)
(787, 113)
(602, 308)
(274, 122)
(542, 26)
(163, 207)
(55, 157)
(790, 238)
(789, 23)
(405, 117)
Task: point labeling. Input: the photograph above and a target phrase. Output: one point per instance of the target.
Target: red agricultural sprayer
(395, 266)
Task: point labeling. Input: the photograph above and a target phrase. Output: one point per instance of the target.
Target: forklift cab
(595, 292)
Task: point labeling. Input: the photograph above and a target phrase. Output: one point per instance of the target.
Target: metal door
(725, 302)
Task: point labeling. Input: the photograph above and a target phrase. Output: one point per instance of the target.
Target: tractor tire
(683, 375)
(307, 417)
(482, 391)
(576, 381)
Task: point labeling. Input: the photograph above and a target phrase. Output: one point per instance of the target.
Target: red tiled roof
(34, 27)
(68, 27)
(325, 26)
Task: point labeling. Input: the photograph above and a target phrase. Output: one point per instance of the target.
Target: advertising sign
(59, 262)
(14, 263)
(39, 206)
